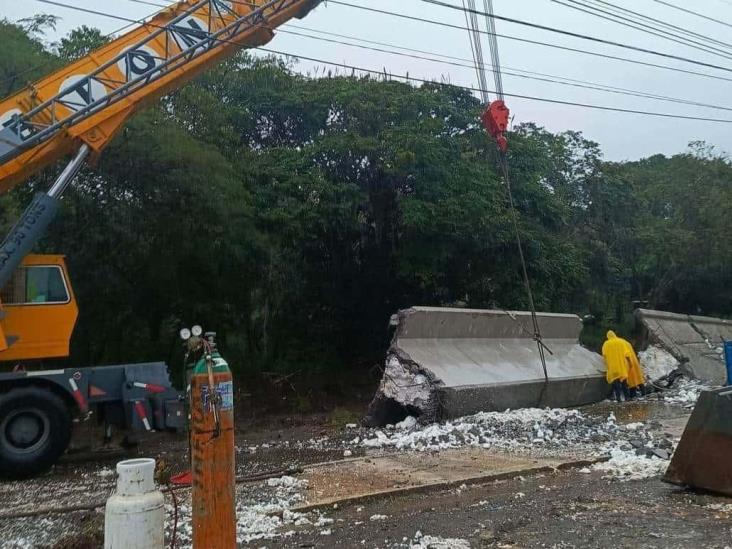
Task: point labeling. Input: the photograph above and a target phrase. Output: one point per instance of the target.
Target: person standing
(616, 353)
(636, 377)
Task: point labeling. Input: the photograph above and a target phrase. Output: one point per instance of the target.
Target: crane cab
(39, 311)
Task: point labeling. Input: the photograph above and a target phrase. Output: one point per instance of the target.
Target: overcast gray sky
(621, 136)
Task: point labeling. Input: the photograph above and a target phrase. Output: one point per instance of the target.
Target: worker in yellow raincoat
(636, 377)
(620, 361)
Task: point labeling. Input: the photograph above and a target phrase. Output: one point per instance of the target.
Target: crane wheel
(35, 429)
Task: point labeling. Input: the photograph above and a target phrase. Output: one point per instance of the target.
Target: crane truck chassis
(37, 406)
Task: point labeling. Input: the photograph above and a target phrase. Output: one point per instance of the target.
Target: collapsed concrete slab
(695, 341)
(445, 363)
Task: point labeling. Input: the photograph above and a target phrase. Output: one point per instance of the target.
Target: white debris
(351, 425)
(407, 423)
(627, 465)
(685, 392)
(105, 472)
(657, 362)
(262, 511)
(511, 430)
(326, 532)
(286, 482)
(421, 541)
(322, 521)
(347, 453)
(378, 517)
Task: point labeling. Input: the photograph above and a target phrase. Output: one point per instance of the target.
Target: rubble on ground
(631, 465)
(636, 450)
(685, 393)
(556, 431)
(421, 541)
(262, 511)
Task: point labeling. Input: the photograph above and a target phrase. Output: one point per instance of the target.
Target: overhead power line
(462, 62)
(409, 78)
(533, 42)
(587, 37)
(518, 73)
(510, 37)
(695, 13)
(642, 27)
(664, 23)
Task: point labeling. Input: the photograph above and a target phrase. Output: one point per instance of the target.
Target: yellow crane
(76, 111)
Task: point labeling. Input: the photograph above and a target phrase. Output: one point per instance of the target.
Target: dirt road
(563, 510)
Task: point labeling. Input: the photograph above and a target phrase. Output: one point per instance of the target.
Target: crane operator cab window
(42, 284)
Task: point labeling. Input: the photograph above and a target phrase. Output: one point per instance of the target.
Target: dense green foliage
(294, 215)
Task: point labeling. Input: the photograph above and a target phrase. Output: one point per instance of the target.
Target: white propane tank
(134, 517)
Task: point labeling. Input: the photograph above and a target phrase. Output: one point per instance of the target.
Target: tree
(80, 42)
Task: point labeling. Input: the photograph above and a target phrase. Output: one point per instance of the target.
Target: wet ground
(547, 509)
(564, 509)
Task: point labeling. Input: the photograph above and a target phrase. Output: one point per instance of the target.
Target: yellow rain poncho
(635, 370)
(617, 358)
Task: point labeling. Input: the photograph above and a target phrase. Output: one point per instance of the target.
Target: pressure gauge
(197, 330)
(185, 334)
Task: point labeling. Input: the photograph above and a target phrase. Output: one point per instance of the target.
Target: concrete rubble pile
(530, 430)
(446, 363)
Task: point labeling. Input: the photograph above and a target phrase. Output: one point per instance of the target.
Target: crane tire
(35, 429)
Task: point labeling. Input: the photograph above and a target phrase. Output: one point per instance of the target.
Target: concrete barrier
(446, 363)
(702, 458)
(697, 342)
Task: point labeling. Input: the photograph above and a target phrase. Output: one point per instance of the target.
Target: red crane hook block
(495, 121)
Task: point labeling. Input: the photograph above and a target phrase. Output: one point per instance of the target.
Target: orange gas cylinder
(212, 452)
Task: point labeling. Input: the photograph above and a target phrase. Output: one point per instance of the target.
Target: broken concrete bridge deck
(445, 363)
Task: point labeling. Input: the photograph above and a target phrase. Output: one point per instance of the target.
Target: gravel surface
(622, 499)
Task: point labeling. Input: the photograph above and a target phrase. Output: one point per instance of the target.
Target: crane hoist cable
(495, 119)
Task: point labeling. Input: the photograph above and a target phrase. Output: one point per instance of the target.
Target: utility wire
(697, 14)
(663, 23)
(534, 42)
(525, 40)
(583, 36)
(409, 78)
(519, 73)
(515, 38)
(642, 27)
